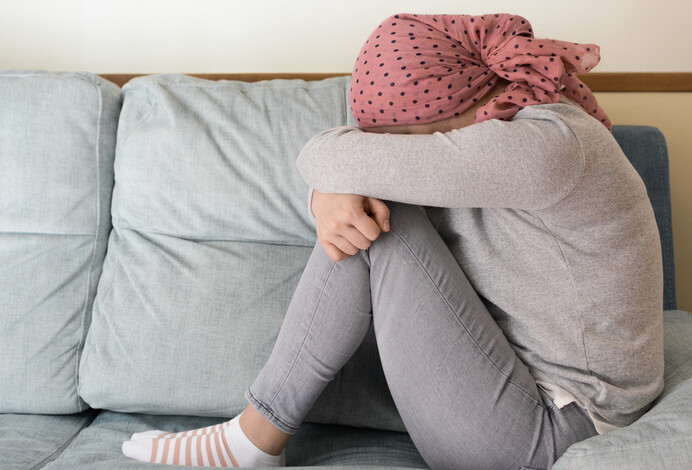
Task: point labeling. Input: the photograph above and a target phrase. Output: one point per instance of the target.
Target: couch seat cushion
(98, 447)
(29, 442)
(662, 438)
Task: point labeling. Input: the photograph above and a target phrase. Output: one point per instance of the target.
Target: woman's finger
(366, 225)
(379, 210)
(333, 252)
(355, 237)
(344, 245)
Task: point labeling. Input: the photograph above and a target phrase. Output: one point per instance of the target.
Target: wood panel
(610, 81)
(606, 81)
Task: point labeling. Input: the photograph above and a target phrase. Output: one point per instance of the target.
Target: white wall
(238, 36)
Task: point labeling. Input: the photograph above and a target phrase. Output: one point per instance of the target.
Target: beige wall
(250, 36)
(672, 114)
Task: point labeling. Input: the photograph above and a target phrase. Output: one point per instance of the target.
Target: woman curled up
(522, 318)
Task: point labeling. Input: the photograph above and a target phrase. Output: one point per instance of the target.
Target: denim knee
(408, 222)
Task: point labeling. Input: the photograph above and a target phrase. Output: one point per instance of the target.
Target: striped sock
(168, 435)
(223, 445)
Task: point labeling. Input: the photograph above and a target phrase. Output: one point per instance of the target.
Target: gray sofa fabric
(29, 441)
(57, 144)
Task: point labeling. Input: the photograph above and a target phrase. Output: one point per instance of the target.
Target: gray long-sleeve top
(552, 226)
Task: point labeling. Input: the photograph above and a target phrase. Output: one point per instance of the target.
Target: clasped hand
(347, 223)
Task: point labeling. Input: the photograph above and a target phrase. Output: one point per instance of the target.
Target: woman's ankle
(261, 432)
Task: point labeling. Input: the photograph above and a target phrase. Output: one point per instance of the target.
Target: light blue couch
(146, 230)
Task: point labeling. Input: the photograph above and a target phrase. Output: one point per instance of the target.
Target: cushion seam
(204, 240)
(87, 421)
(126, 137)
(97, 238)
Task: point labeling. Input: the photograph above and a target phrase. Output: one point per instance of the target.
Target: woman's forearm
(526, 164)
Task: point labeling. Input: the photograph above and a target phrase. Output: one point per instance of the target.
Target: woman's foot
(193, 432)
(221, 445)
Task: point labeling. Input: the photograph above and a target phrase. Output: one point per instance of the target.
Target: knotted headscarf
(416, 69)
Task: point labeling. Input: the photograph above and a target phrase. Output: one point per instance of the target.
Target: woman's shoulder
(568, 112)
(565, 109)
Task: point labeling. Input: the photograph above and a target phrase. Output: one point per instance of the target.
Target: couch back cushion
(57, 143)
(210, 236)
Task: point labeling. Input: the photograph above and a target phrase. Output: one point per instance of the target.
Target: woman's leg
(465, 397)
(327, 319)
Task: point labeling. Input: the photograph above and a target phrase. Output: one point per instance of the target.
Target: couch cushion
(210, 237)
(662, 438)
(98, 447)
(57, 143)
(29, 442)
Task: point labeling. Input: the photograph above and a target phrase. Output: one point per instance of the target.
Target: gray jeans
(465, 397)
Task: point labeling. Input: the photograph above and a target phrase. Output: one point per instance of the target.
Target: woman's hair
(416, 69)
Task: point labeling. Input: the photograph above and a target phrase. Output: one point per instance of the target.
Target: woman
(529, 318)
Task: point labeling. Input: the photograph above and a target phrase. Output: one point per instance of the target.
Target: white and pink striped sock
(221, 445)
(169, 435)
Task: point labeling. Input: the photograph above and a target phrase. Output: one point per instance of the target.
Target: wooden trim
(606, 81)
(611, 81)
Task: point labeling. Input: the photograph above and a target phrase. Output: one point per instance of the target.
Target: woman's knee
(408, 223)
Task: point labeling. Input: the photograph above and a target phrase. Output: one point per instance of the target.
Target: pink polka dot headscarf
(417, 69)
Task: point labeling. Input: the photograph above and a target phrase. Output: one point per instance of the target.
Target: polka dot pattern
(416, 69)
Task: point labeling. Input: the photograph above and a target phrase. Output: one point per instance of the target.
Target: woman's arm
(524, 164)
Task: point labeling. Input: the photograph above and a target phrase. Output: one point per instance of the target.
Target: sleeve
(524, 164)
